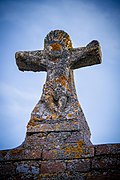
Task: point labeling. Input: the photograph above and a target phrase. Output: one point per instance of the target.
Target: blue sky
(23, 26)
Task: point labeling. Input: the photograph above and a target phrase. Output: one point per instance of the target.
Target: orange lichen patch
(56, 47)
(69, 46)
(60, 36)
(35, 109)
(37, 126)
(75, 150)
(28, 125)
(76, 122)
(34, 118)
(76, 111)
(67, 41)
(47, 97)
(55, 60)
(69, 115)
(80, 143)
(67, 150)
(32, 124)
(48, 117)
(17, 151)
(66, 38)
(77, 104)
(41, 119)
(63, 81)
(54, 116)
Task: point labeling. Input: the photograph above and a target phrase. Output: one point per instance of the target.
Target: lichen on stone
(75, 149)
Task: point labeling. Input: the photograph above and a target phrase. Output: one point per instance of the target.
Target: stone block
(34, 153)
(63, 176)
(3, 154)
(27, 169)
(50, 167)
(7, 169)
(60, 137)
(75, 137)
(35, 139)
(104, 162)
(69, 151)
(107, 174)
(59, 125)
(79, 165)
(107, 149)
(12, 154)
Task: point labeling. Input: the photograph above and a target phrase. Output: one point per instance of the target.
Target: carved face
(55, 49)
(56, 42)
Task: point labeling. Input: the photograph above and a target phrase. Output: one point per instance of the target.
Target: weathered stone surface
(103, 175)
(79, 165)
(63, 125)
(104, 162)
(12, 154)
(69, 151)
(118, 161)
(107, 149)
(27, 167)
(27, 170)
(33, 153)
(63, 176)
(52, 140)
(21, 153)
(7, 169)
(50, 167)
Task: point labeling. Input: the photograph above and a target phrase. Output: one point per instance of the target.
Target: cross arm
(86, 56)
(31, 60)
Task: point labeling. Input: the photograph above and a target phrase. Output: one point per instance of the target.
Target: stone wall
(97, 162)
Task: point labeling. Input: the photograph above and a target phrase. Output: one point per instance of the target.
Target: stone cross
(58, 59)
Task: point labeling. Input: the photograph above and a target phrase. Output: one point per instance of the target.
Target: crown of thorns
(58, 37)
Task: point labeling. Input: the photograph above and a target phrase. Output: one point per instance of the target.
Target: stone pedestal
(60, 149)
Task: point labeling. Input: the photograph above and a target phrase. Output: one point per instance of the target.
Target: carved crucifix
(58, 59)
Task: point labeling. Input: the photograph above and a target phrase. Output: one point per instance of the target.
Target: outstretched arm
(31, 60)
(86, 56)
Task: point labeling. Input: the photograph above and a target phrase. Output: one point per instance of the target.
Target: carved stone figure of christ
(58, 59)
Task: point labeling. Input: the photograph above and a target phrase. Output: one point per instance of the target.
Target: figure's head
(57, 41)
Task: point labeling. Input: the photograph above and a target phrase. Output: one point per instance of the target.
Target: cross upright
(58, 59)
